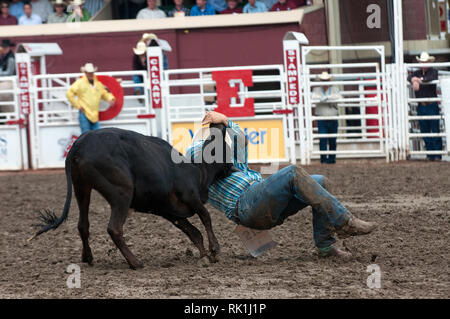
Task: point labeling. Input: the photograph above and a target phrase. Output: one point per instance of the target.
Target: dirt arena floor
(410, 201)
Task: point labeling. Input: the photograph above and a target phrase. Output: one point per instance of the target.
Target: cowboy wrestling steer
(133, 171)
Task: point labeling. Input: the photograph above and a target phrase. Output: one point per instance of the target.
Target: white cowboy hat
(149, 36)
(77, 2)
(203, 134)
(324, 76)
(140, 48)
(54, 2)
(89, 68)
(425, 57)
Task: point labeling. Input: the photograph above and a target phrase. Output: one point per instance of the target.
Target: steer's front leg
(214, 247)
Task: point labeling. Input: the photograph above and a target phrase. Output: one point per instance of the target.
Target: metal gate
(54, 123)
(361, 88)
(414, 139)
(13, 145)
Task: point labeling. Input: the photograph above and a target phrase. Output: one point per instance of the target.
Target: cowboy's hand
(416, 85)
(214, 117)
(112, 102)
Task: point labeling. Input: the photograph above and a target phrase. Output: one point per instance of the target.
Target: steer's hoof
(213, 258)
(87, 259)
(136, 265)
(203, 262)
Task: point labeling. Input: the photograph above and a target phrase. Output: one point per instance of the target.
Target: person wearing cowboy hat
(78, 13)
(150, 39)
(423, 89)
(85, 95)
(59, 16)
(7, 59)
(325, 98)
(248, 199)
(139, 64)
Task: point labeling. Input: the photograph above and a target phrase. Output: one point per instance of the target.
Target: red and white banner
(154, 56)
(292, 75)
(23, 66)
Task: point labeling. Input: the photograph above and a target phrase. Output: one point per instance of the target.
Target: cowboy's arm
(335, 94)
(431, 76)
(72, 93)
(317, 94)
(107, 96)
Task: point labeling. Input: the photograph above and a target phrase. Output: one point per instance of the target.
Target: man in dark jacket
(7, 60)
(423, 89)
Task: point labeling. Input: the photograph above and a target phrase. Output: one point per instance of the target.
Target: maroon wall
(191, 48)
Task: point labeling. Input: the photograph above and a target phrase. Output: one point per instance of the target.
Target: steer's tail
(48, 218)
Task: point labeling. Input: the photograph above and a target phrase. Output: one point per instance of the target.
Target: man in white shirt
(42, 8)
(151, 12)
(29, 18)
(325, 98)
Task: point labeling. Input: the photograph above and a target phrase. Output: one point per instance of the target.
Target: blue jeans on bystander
(430, 126)
(327, 127)
(85, 124)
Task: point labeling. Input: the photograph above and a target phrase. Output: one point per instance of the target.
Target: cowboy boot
(334, 252)
(355, 227)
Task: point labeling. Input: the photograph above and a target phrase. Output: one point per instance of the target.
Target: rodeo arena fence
(273, 104)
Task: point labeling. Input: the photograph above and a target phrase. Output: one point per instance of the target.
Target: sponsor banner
(265, 137)
(56, 142)
(23, 67)
(155, 74)
(292, 76)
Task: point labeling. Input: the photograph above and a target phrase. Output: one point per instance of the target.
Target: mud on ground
(410, 200)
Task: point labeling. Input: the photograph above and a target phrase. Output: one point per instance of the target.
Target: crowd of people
(212, 7)
(33, 12)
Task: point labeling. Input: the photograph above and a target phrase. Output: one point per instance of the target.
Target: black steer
(133, 171)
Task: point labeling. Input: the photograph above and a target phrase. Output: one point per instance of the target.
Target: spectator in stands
(16, 8)
(77, 12)
(326, 105)
(139, 63)
(179, 9)
(151, 12)
(42, 8)
(218, 5)
(202, 9)
(269, 3)
(85, 95)
(232, 7)
(7, 59)
(134, 6)
(254, 6)
(93, 6)
(59, 16)
(29, 18)
(283, 5)
(420, 81)
(5, 17)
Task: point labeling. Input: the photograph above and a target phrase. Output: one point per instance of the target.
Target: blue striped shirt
(223, 194)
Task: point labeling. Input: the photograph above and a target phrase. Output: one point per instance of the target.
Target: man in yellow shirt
(85, 95)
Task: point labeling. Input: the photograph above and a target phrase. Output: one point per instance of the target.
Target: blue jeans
(268, 203)
(85, 124)
(327, 127)
(430, 126)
